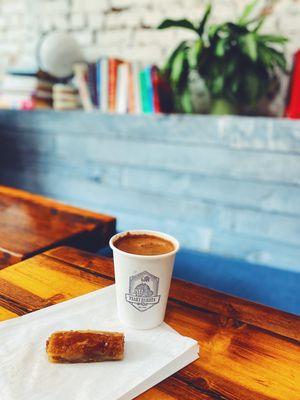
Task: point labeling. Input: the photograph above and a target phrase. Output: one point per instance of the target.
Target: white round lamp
(57, 54)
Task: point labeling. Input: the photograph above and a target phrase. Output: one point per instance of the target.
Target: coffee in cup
(143, 244)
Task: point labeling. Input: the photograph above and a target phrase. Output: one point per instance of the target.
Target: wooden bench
(31, 224)
(248, 351)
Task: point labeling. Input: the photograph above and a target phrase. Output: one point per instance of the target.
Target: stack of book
(116, 86)
(65, 97)
(26, 90)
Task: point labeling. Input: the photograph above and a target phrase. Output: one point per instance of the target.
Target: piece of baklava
(85, 346)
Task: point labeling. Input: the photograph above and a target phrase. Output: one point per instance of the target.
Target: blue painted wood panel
(228, 186)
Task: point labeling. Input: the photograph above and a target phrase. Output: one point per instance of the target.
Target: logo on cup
(143, 291)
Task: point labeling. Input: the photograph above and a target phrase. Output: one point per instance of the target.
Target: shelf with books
(116, 86)
(107, 86)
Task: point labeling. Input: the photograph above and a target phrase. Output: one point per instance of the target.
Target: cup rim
(162, 235)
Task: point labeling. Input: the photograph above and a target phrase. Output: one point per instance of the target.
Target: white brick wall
(124, 28)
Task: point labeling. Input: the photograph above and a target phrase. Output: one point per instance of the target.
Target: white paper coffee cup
(146, 309)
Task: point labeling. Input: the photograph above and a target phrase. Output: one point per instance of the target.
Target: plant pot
(195, 97)
(222, 106)
(199, 94)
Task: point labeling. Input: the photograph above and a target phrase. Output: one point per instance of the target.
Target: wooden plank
(5, 314)
(237, 360)
(240, 359)
(20, 195)
(200, 297)
(10, 309)
(8, 258)
(236, 167)
(19, 283)
(31, 224)
(198, 130)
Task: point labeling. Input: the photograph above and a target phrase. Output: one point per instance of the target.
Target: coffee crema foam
(144, 244)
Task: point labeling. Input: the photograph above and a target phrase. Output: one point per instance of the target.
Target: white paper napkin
(26, 374)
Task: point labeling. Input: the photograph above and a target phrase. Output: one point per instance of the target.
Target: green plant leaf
(221, 46)
(243, 20)
(177, 67)
(168, 66)
(179, 23)
(235, 28)
(259, 23)
(217, 85)
(202, 24)
(272, 39)
(235, 84)
(249, 46)
(278, 58)
(264, 56)
(212, 31)
(186, 102)
(193, 53)
(271, 58)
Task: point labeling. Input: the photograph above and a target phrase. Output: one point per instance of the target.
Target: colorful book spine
(92, 83)
(143, 89)
(131, 94)
(122, 98)
(104, 85)
(98, 83)
(136, 69)
(149, 108)
(112, 85)
(156, 86)
(293, 108)
(80, 71)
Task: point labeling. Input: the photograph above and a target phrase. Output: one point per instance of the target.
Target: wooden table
(248, 351)
(31, 224)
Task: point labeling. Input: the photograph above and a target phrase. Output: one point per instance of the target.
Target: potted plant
(238, 64)
(182, 68)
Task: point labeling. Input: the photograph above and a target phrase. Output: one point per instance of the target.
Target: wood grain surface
(248, 351)
(31, 224)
